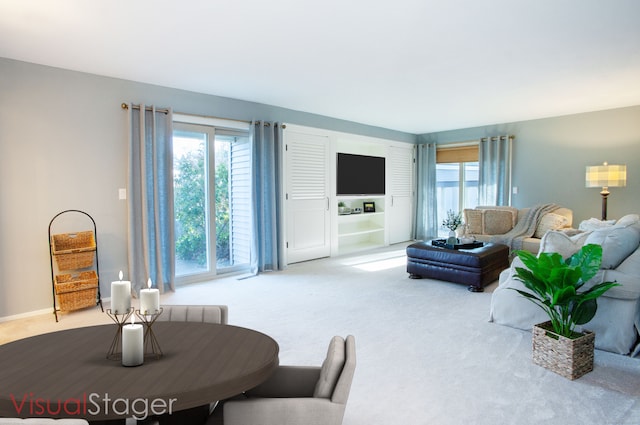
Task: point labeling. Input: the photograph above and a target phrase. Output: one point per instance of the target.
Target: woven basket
(76, 291)
(74, 250)
(570, 358)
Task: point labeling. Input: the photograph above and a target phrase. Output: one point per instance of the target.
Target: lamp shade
(606, 175)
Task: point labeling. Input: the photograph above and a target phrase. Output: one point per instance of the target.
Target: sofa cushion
(617, 242)
(331, 368)
(550, 221)
(631, 265)
(562, 243)
(497, 222)
(513, 210)
(473, 221)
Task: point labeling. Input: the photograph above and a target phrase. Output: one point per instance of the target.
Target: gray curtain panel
(494, 156)
(150, 198)
(266, 153)
(426, 226)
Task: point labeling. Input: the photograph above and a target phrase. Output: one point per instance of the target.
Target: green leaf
(598, 290)
(584, 312)
(554, 284)
(588, 259)
(545, 305)
(529, 280)
(564, 295)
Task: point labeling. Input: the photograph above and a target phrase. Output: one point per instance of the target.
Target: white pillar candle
(132, 344)
(149, 299)
(120, 296)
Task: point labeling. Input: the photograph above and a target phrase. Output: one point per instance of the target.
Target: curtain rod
(166, 111)
(126, 106)
(483, 139)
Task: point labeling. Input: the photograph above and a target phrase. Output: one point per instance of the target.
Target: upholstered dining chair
(195, 313)
(189, 313)
(297, 394)
(42, 421)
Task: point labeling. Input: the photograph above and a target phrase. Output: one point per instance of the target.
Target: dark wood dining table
(67, 373)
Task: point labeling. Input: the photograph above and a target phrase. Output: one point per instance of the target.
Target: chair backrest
(42, 421)
(343, 386)
(195, 313)
(337, 370)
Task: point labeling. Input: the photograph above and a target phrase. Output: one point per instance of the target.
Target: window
(211, 201)
(456, 181)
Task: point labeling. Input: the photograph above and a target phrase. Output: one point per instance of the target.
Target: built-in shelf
(363, 230)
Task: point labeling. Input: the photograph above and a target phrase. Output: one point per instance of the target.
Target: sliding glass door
(211, 197)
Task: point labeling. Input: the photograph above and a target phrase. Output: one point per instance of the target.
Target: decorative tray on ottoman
(442, 243)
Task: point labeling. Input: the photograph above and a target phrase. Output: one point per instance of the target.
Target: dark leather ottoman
(475, 267)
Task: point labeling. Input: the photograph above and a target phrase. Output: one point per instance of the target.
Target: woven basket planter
(570, 358)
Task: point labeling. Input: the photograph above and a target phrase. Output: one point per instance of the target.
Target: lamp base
(605, 193)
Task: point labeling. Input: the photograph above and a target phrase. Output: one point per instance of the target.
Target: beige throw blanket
(525, 228)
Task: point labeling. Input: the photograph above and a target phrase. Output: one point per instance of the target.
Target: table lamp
(606, 176)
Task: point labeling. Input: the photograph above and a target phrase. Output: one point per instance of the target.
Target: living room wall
(63, 145)
(550, 156)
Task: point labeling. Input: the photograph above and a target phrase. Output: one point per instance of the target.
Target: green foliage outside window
(190, 209)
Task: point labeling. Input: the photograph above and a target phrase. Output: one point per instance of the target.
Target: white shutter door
(239, 197)
(401, 186)
(307, 187)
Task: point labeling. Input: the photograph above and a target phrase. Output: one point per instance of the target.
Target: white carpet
(426, 353)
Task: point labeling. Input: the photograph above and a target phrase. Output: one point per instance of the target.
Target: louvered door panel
(401, 186)
(307, 187)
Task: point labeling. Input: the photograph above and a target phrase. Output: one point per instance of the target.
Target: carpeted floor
(426, 352)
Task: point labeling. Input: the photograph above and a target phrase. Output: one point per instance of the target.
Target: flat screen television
(360, 175)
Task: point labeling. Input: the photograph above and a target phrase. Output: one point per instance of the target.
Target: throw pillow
(331, 368)
(473, 221)
(595, 224)
(514, 211)
(617, 242)
(550, 221)
(629, 219)
(562, 243)
(497, 222)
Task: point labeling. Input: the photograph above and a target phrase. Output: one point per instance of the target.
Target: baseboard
(26, 315)
(34, 313)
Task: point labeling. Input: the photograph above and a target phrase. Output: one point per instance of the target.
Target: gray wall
(63, 145)
(550, 156)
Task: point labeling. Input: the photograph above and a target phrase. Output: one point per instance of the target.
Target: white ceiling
(411, 65)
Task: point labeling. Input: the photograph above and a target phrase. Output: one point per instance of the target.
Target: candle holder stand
(120, 319)
(151, 346)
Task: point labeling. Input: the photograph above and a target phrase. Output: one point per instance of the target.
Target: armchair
(296, 395)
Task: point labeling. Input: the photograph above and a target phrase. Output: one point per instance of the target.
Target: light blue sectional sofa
(617, 321)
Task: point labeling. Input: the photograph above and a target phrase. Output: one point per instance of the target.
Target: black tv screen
(360, 175)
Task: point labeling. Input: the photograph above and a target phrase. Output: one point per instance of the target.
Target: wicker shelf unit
(74, 267)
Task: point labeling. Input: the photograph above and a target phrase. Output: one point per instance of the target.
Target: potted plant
(555, 286)
(452, 222)
(342, 208)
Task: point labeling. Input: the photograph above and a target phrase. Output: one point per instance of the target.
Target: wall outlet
(514, 190)
(122, 194)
